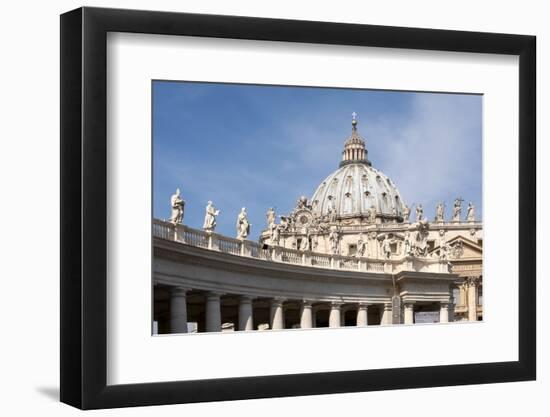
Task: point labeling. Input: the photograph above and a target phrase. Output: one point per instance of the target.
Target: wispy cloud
(435, 154)
(260, 147)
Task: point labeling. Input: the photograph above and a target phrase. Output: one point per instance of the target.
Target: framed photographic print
(258, 208)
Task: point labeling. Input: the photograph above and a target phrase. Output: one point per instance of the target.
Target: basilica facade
(351, 255)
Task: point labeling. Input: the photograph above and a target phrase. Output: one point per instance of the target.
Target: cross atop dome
(354, 148)
(354, 121)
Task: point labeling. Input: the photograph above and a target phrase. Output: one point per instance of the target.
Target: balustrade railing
(291, 256)
(193, 237)
(349, 263)
(322, 261)
(375, 267)
(229, 246)
(163, 230)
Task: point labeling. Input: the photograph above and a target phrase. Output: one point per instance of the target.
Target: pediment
(462, 248)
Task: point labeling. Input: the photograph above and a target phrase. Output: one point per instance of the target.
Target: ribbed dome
(356, 186)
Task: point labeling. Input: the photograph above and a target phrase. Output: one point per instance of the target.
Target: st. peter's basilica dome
(356, 188)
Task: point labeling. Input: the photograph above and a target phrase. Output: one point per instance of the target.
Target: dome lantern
(354, 151)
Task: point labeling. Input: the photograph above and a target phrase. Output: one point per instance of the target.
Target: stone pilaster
(178, 310)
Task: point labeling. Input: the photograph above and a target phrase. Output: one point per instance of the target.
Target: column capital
(336, 304)
(388, 306)
(408, 304)
(277, 301)
(181, 291)
(307, 303)
(472, 281)
(363, 306)
(246, 298)
(213, 295)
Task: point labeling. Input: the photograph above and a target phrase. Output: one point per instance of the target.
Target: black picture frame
(84, 207)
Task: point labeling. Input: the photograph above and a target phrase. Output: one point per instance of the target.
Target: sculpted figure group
(414, 242)
(440, 212)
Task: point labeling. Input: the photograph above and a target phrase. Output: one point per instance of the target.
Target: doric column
(178, 310)
(472, 298)
(362, 313)
(245, 313)
(277, 314)
(409, 312)
(386, 314)
(444, 313)
(306, 315)
(334, 317)
(213, 312)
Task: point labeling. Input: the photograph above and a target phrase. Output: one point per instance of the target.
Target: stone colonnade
(308, 309)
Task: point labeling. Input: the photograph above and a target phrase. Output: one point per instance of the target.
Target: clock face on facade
(304, 217)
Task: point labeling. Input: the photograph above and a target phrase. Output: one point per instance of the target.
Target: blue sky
(260, 146)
